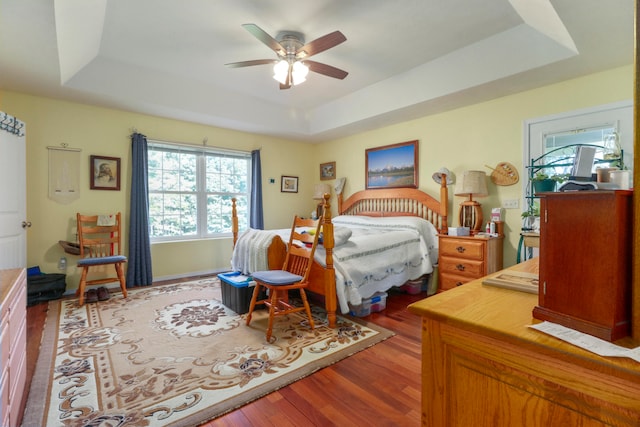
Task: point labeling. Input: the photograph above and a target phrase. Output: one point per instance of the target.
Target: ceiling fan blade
(265, 38)
(321, 44)
(250, 63)
(327, 70)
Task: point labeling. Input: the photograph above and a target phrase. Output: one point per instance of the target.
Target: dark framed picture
(105, 173)
(289, 184)
(327, 171)
(392, 166)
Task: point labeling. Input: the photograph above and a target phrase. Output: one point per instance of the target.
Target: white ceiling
(405, 58)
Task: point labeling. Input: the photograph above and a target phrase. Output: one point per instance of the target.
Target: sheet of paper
(586, 341)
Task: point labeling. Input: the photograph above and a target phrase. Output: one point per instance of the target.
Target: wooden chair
(100, 245)
(293, 275)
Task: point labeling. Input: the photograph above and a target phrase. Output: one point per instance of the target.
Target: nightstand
(463, 259)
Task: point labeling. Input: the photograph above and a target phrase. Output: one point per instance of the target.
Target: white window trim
(159, 144)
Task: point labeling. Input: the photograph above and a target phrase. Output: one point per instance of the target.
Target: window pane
(219, 213)
(560, 148)
(174, 195)
(172, 215)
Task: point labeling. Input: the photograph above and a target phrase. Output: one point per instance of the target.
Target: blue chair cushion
(102, 260)
(276, 277)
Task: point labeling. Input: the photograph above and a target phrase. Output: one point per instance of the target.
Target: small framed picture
(289, 184)
(327, 171)
(105, 173)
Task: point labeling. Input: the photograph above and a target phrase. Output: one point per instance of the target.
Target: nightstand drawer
(462, 248)
(461, 267)
(450, 281)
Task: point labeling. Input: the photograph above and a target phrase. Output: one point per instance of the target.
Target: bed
(404, 210)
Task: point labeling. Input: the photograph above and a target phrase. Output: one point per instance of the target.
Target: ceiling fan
(291, 66)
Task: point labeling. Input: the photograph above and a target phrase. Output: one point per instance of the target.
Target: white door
(13, 201)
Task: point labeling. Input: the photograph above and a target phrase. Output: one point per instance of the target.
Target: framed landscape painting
(392, 166)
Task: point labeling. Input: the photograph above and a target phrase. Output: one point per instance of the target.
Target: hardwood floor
(378, 386)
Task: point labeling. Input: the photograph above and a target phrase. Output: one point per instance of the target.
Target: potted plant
(529, 218)
(543, 182)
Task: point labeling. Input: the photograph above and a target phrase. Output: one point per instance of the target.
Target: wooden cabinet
(13, 344)
(585, 261)
(462, 259)
(483, 366)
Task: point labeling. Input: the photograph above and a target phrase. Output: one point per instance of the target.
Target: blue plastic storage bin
(237, 290)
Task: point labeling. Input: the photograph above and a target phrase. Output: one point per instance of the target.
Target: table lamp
(471, 184)
(318, 194)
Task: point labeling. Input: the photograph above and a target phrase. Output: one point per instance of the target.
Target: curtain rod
(191, 144)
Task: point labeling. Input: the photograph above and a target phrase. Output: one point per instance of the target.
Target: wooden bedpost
(444, 205)
(234, 221)
(331, 300)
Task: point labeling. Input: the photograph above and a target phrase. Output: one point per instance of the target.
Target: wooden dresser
(462, 259)
(482, 366)
(13, 344)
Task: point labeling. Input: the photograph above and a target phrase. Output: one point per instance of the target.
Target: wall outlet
(511, 204)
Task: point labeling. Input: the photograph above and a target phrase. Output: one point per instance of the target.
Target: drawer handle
(459, 283)
(460, 249)
(460, 267)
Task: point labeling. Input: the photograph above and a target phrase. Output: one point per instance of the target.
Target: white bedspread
(380, 253)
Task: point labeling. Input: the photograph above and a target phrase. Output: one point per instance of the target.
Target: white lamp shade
(320, 189)
(472, 183)
(280, 71)
(299, 72)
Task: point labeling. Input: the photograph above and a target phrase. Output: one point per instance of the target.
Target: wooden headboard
(399, 202)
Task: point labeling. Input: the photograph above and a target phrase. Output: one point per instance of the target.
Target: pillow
(341, 235)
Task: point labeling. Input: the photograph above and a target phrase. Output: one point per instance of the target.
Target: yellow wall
(101, 131)
(461, 139)
(482, 134)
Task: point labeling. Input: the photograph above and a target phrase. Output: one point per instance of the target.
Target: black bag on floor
(45, 287)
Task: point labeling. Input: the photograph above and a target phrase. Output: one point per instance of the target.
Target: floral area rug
(173, 355)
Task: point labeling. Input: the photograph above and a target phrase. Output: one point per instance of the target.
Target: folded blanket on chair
(250, 253)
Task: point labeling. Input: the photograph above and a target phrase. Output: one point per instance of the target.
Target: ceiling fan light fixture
(292, 67)
(280, 71)
(299, 72)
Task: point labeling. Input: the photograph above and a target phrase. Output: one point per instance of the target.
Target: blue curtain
(256, 218)
(139, 260)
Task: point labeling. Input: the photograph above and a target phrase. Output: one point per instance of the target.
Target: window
(551, 142)
(190, 191)
(589, 126)
(559, 148)
(604, 125)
